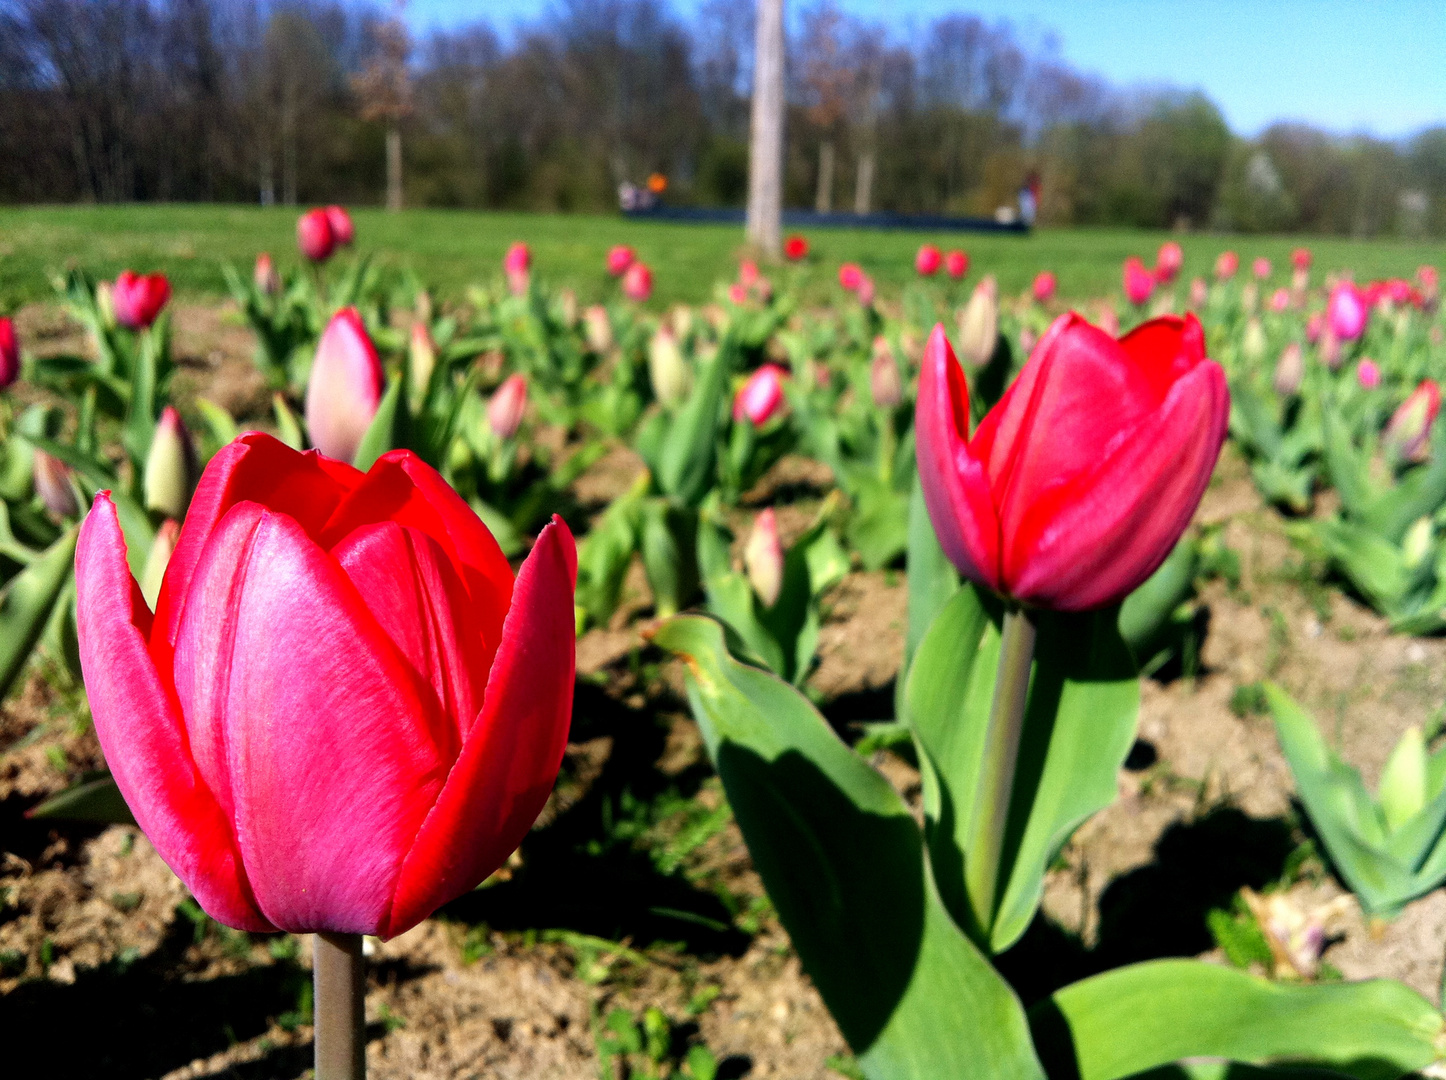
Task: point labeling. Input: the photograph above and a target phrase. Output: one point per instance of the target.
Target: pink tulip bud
(1225, 265)
(737, 294)
(1408, 435)
(170, 471)
(638, 282)
(979, 323)
(1429, 279)
(1299, 282)
(885, 383)
(1249, 296)
(1109, 320)
(1368, 374)
(956, 264)
(1260, 268)
(1289, 370)
(761, 397)
(1300, 258)
(138, 298)
(1139, 282)
(345, 387)
(1199, 293)
(1313, 327)
(1045, 285)
(763, 558)
(52, 484)
(1331, 353)
(850, 276)
(421, 359)
(504, 411)
(343, 232)
(620, 258)
(9, 354)
(928, 260)
(314, 235)
(357, 712)
(597, 328)
(1168, 261)
(1280, 301)
(267, 281)
(866, 291)
(1028, 339)
(1347, 311)
(748, 273)
(518, 259)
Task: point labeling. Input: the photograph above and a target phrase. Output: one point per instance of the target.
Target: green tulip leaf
(687, 450)
(26, 603)
(95, 476)
(932, 580)
(387, 431)
(1402, 790)
(1147, 611)
(96, 799)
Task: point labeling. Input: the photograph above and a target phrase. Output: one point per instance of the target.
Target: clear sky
(1346, 65)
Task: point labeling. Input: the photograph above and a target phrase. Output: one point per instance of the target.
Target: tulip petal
(289, 686)
(956, 489)
(139, 727)
(510, 759)
(1164, 349)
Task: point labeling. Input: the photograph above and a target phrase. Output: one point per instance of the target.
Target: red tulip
(928, 260)
(265, 276)
(1045, 285)
(620, 258)
(1261, 268)
(344, 712)
(345, 387)
(761, 396)
(1408, 436)
(1139, 282)
(314, 235)
(1368, 374)
(850, 276)
(795, 248)
(1347, 311)
(504, 411)
(1300, 258)
(1168, 261)
(638, 282)
(1226, 264)
(343, 232)
(956, 264)
(1077, 484)
(138, 299)
(9, 354)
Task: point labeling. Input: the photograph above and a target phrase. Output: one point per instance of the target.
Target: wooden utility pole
(765, 149)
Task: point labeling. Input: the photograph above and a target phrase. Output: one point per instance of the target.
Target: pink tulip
(761, 397)
(1028, 339)
(1300, 258)
(518, 259)
(344, 712)
(9, 354)
(267, 281)
(1280, 300)
(1108, 321)
(314, 235)
(928, 260)
(171, 467)
(1313, 327)
(737, 294)
(1408, 435)
(763, 558)
(345, 387)
(53, 485)
(1199, 293)
(343, 232)
(1347, 311)
(1078, 483)
(1290, 370)
(1331, 353)
(1225, 265)
(885, 384)
(865, 290)
(956, 264)
(138, 298)
(504, 411)
(1368, 374)
(1045, 285)
(1429, 279)
(620, 258)
(748, 273)
(1139, 282)
(1260, 268)
(850, 276)
(638, 282)
(1168, 261)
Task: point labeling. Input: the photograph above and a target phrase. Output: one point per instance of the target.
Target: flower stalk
(339, 980)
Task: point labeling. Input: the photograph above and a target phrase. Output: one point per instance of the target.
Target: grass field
(451, 249)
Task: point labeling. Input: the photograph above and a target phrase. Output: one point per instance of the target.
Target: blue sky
(1377, 65)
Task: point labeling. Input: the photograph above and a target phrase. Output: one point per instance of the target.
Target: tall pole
(765, 149)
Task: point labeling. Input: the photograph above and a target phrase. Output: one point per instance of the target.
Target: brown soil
(514, 980)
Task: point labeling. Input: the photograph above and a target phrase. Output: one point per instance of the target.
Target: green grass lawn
(451, 249)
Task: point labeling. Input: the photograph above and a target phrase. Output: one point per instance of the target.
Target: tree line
(300, 101)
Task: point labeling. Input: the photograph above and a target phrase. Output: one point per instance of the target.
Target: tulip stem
(337, 1007)
(1001, 754)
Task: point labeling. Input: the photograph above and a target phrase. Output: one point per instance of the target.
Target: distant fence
(812, 219)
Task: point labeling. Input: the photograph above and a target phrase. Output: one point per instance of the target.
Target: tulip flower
(667, 370)
(1082, 477)
(170, 466)
(1408, 435)
(1225, 265)
(1331, 353)
(1300, 258)
(748, 274)
(504, 411)
(1139, 282)
(638, 282)
(1260, 268)
(105, 304)
(421, 360)
(1313, 327)
(265, 276)
(1347, 312)
(1280, 301)
(795, 248)
(52, 484)
(344, 712)
(761, 397)
(620, 257)
(885, 384)
(1028, 339)
(1368, 374)
(1168, 261)
(928, 260)
(138, 298)
(1429, 278)
(1252, 341)
(343, 232)
(1199, 293)
(850, 276)
(956, 264)
(979, 323)
(162, 548)
(1045, 285)
(763, 558)
(1108, 320)
(865, 291)
(597, 328)
(737, 294)
(1289, 370)
(345, 387)
(516, 264)
(314, 235)
(9, 354)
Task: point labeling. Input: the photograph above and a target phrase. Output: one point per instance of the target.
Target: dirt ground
(636, 890)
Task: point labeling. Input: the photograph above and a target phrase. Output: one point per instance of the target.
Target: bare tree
(765, 151)
(828, 82)
(385, 89)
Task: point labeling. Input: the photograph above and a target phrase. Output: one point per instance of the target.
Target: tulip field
(919, 657)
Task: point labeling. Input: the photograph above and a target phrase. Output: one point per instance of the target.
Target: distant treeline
(246, 101)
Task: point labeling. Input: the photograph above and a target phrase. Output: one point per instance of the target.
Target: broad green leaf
(288, 427)
(844, 864)
(668, 541)
(91, 800)
(688, 451)
(1079, 725)
(1144, 1016)
(220, 426)
(387, 429)
(932, 580)
(1146, 611)
(1402, 790)
(95, 476)
(26, 603)
(143, 408)
(879, 528)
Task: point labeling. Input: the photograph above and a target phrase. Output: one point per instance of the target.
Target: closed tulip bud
(1249, 296)
(850, 276)
(504, 411)
(979, 324)
(1168, 261)
(795, 248)
(761, 398)
(1299, 282)
(1429, 279)
(638, 282)
(170, 472)
(1028, 339)
(597, 328)
(1199, 293)
(1313, 326)
(666, 368)
(620, 257)
(1252, 342)
(162, 548)
(345, 387)
(865, 291)
(748, 273)
(1109, 320)
(1077, 484)
(421, 359)
(1416, 544)
(763, 558)
(1408, 435)
(1261, 268)
(52, 484)
(1289, 370)
(681, 319)
(567, 308)
(268, 283)
(138, 298)
(1368, 374)
(105, 304)
(518, 259)
(885, 383)
(1300, 258)
(1331, 353)
(314, 236)
(345, 711)
(737, 294)
(1347, 312)
(1280, 301)
(9, 354)
(1225, 265)
(1139, 283)
(1045, 285)
(956, 264)
(928, 260)
(343, 232)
